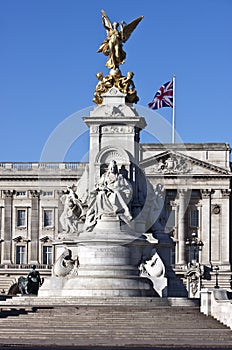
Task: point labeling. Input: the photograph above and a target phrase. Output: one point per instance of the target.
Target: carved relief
(113, 92)
(113, 112)
(114, 155)
(172, 164)
(20, 239)
(194, 275)
(117, 129)
(8, 193)
(206, 193)
(94, 129)
(109, 153)
(216, 209)
(34, 194)
(226, 192)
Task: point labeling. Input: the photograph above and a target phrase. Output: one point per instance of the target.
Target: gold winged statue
(112, 46)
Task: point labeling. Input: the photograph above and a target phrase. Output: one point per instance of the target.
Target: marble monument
(114, 241)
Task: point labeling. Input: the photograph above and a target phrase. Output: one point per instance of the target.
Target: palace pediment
(176, 163)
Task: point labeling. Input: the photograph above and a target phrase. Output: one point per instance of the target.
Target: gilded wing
(129, 28)
(104, 47)
(105, 21)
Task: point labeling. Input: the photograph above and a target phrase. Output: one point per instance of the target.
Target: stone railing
(24, 266)
(215, 303)
(41, 167)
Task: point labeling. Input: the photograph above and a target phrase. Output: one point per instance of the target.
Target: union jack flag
(163, 97)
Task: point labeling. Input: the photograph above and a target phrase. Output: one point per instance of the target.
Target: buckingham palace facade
(197, 183)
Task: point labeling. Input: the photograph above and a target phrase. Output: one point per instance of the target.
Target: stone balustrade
(215, 303)
(34, 168)
(40, 165)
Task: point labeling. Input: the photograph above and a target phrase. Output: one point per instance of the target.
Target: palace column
(206, 227)
(34, 251)
(225, 229)
(181, 256)
(7, 247)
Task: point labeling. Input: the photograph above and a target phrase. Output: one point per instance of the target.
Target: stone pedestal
(109, 257)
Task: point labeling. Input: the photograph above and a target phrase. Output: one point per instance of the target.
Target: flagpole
(174, 108)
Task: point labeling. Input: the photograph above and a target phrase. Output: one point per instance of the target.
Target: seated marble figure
(111, 196)
(73, 210)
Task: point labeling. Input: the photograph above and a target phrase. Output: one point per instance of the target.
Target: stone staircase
(5, 283)
(109, 322)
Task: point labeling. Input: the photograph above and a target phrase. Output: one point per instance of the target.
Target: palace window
(47, 255)
(20, 254)
(21, 217)
(194, 218)
(48, 218)
(47, 193)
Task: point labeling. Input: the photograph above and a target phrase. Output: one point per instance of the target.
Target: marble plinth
(109, 257)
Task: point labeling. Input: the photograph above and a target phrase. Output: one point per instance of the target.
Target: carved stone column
(225, 229)
(181, 256)
(206, 227)
(34, 251)
(7, 251)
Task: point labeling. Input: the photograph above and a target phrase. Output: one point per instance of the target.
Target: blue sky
(49, 60)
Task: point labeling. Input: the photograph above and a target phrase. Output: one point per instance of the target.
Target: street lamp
(216, 269)
(195, 243)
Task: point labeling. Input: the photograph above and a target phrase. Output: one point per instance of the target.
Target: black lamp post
(195, 243)
(216, 269)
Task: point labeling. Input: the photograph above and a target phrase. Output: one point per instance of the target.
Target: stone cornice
(219, 146)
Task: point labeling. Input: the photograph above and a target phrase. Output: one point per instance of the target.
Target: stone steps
(5, 283)
(147, 324)
(73, 301)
